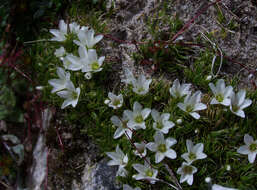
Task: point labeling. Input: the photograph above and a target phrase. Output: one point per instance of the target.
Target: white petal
(246, 103)
(241, 96)
(128, 114)
(226, 102)
(189, 145)
(137, 106)
(151, 146)
(155, 115)
(98, 38)
(145, 113)
(195, 115)
(251, 157)
(198, 148)
(159, 138)
(64, 94)
(170, 142)
(118, 133)
(200, 106)
(248, 139)
(214, 101)
(190, 179)
(183, 178)
(116, 121)
(159, 157)
(66, 103)
(239, 113)
(213, 88)
(139, 167)
(182, 106)
(171, 154)
(243, 149)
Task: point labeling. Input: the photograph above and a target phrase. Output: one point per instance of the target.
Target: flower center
(189, 108)
(95, 65)
(219, 97)
(162, 148)
(192, 156)
(253, 147)
(177, 94)
(140, 150)
(235, 108)
(149, 173)
(187, 169)
(139, 119)
(74, 95)
(116, 102)
(67, 63)
(159, 125)
(141, 89)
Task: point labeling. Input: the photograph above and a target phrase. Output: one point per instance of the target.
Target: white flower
(140, 85)
(195, 152)
(238, 103)
(61, 34)
(178, 91)
(74, 28)
(192, 104)
(186, 171)
(127, 187)
(122, 126)
(60, 52)
(219, 187)
(93, 64)
(145, 172)
(60, 84)
(70, 94)
(138, 116)
(140, 149)
(161, 147)
(78, 63)
(249, 149)
(87, 39)
(118, 159)
(115, 101)
(221, 93)
(162, 122)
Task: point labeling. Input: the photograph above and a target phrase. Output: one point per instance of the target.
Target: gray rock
(98, 176)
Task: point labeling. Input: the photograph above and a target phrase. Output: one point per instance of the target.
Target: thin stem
(173, 176)
(35, 41)
(4, 184)
(162, 181)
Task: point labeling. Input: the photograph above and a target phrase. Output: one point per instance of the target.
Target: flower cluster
(226, 96)
(136, 119)
(83, 39)
(222, 95)
(194, 152)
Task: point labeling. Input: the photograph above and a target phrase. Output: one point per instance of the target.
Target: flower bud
(179, 121)
(208, 78)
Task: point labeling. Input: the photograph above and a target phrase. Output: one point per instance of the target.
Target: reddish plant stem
(189, 23)
(59, 139)
(132, 143)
